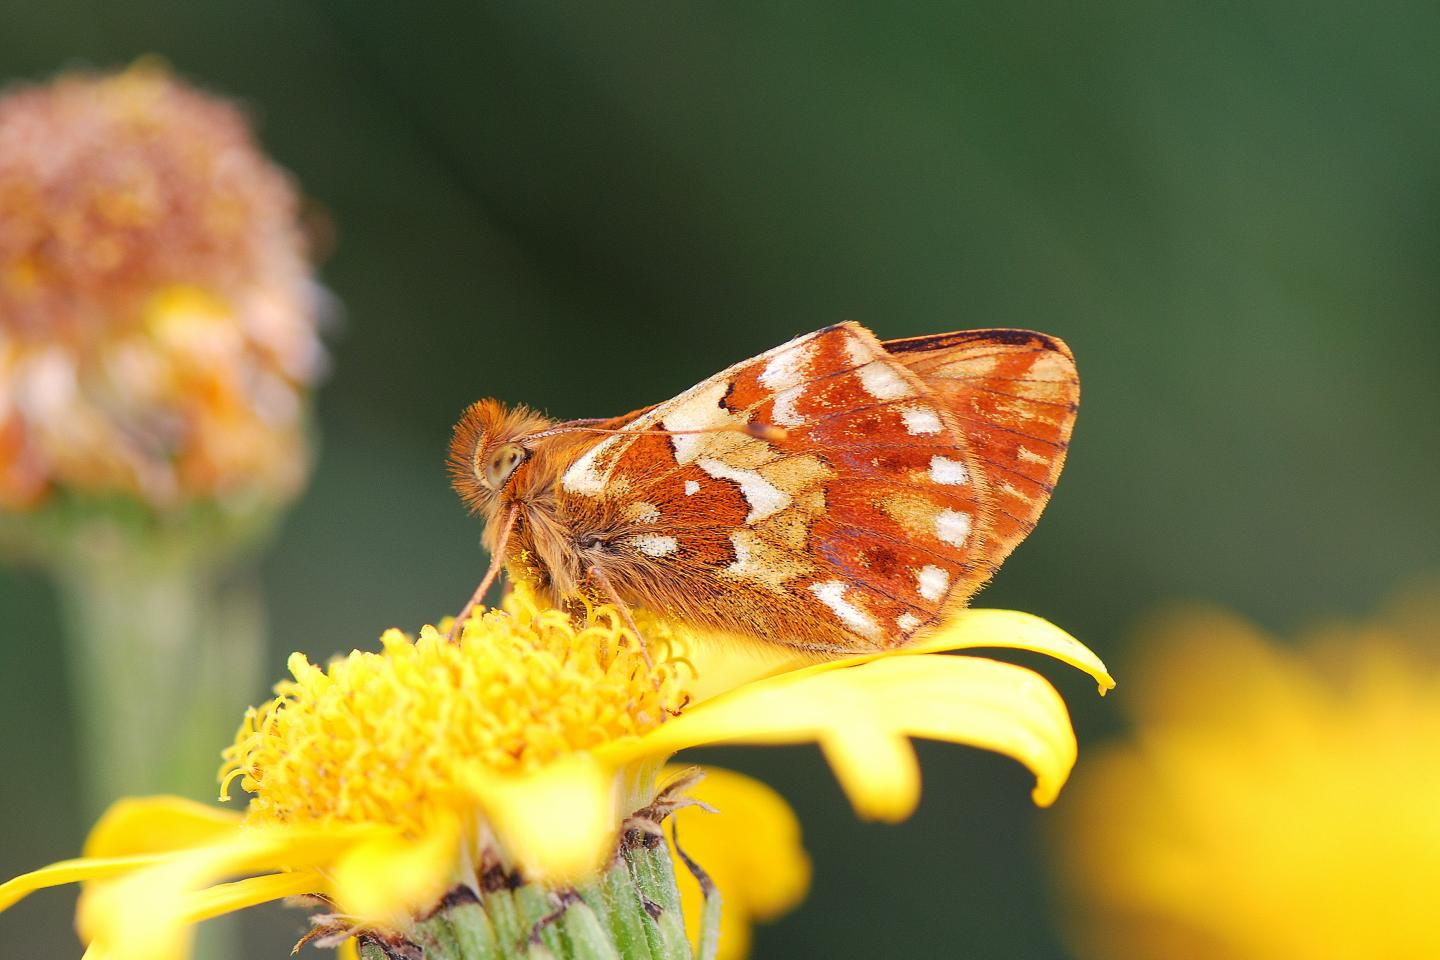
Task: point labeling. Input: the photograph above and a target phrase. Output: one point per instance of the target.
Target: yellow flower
(528, 749)
(1284, 808)
(157, 311)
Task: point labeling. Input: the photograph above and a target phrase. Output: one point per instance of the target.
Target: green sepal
(629, 912)
(588, 936)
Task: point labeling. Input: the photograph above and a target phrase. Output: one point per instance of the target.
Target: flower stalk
(164, 650)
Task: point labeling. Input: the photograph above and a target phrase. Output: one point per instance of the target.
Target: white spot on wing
(740, 540)
(783, 413)
(700, 407)
(585, 475)
(702, 411)
(883, 383)
(757, 561)
(832, 594)
(920, 420)
(787, 368)
(654, 544)
(692, 487)
(907, 622)
(952, 526)
(859, 352)
(1026, 455)
(950, 472)
(642, 512)
(764, 497)
(933, 582)
(784, 374)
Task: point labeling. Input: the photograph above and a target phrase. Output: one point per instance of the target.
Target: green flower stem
(630, 912)
(165, 650)
(165, 654)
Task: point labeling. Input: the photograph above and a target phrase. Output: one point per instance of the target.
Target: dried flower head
(157, 309)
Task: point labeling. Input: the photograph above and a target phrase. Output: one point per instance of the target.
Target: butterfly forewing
(859, 528)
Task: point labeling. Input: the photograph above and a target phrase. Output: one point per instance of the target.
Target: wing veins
(995, 426)
(1049, 488)
(1066, 405)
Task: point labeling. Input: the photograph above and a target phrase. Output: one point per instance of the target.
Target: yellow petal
(139, 917)
(1013, 630)
(558, 822)
(390, 878)
(149, 914)
(133, 834)
(226, 898)
(970, 700)
(750, 848)
(723, 661)
(70, 871)
(984, 703)
(878, 770)
(155, 825)
(168, 932)
(971, 629)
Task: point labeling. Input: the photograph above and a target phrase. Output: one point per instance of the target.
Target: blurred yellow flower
(157, 311)
(1288, 806)
(392, 782)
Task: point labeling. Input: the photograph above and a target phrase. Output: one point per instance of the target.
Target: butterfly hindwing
(1014, 394)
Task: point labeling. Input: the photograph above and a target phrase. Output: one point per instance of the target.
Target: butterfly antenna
(761, 431)
(497, 563)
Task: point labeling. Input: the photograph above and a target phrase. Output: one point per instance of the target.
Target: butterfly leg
(624, 609)
(497, 563)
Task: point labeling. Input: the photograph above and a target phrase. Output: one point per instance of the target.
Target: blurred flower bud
(158, 313)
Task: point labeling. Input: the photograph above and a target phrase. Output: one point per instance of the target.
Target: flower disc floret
(393, 737)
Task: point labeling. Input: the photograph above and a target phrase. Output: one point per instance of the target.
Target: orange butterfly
(835, 494)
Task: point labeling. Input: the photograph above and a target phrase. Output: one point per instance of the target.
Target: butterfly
(837, 494)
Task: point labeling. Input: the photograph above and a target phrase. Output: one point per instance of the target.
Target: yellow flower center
(396, 736)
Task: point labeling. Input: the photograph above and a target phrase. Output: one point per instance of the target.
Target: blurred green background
(1231, 211)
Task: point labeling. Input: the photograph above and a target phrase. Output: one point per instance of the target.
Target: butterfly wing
(856, 531)
(1014, 394)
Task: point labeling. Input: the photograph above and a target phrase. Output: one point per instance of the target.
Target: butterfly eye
(503, 463)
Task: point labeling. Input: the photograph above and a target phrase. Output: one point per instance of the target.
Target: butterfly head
(487, 448)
